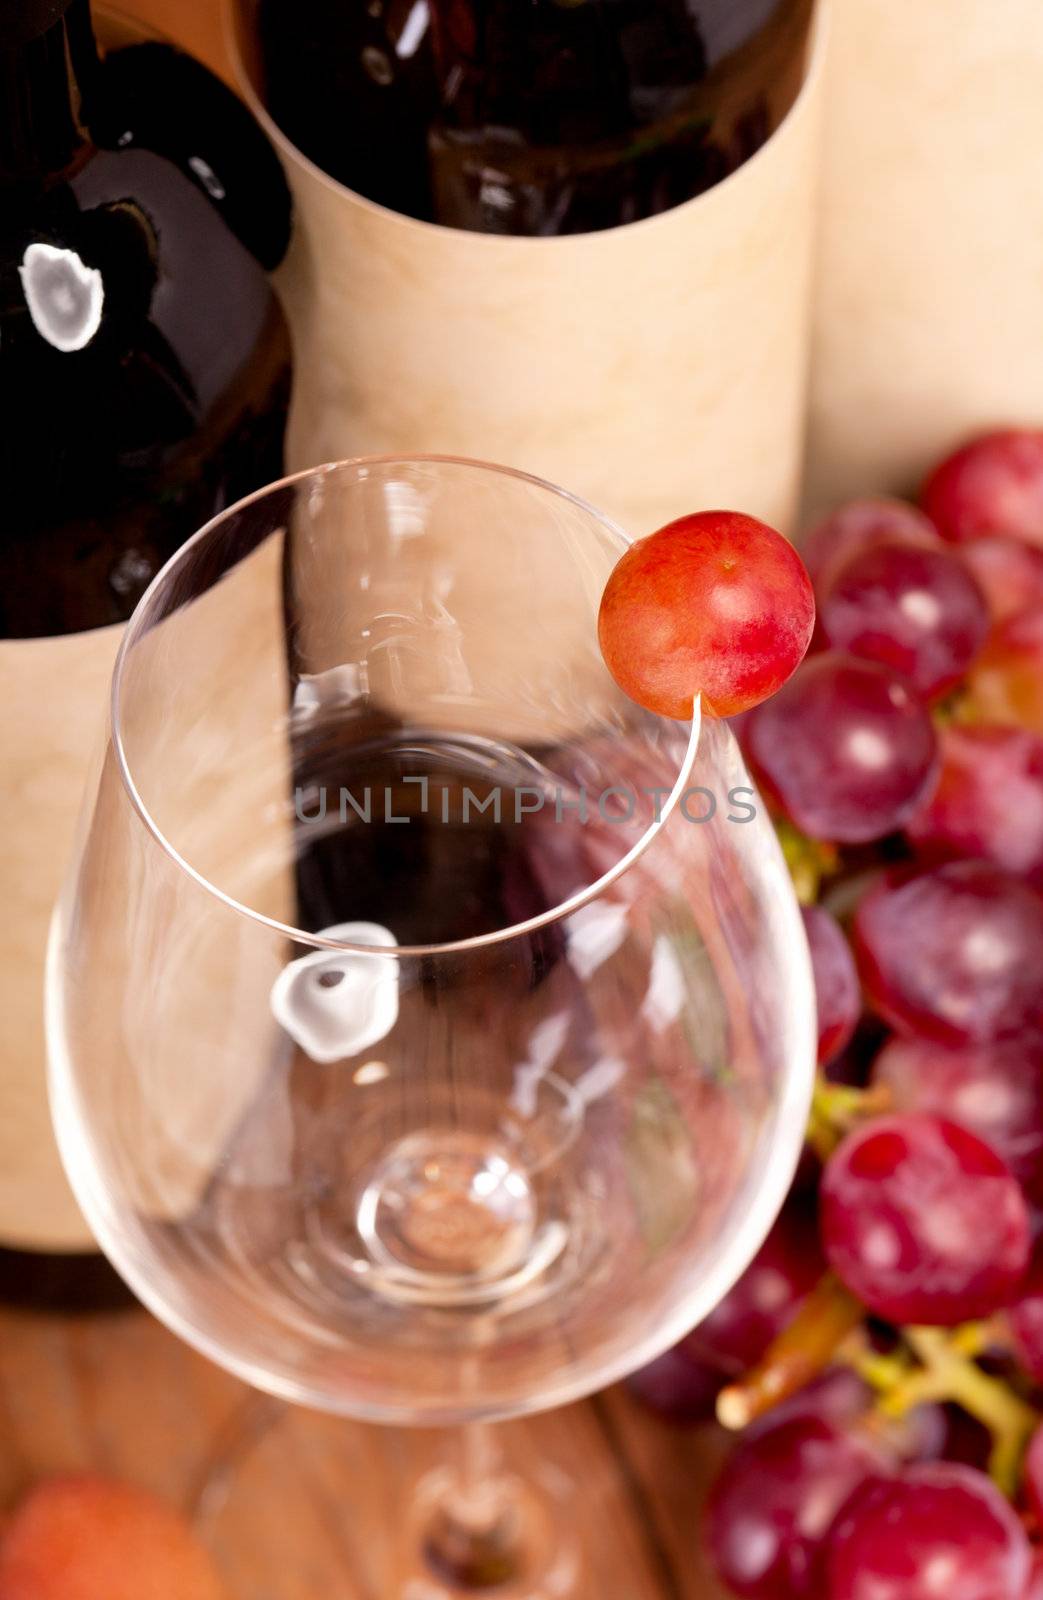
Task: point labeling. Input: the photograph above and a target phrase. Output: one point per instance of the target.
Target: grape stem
(837, 1107)
(803, 1349)
(948, 1371)
(808, 860)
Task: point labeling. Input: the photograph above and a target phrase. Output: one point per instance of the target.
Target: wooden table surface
(315, 1504)
(306, 1507)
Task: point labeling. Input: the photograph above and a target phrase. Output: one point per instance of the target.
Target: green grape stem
(808, 860)
(947, 1370)
(836, 1108)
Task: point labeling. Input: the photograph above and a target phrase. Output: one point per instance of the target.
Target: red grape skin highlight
(845, 749)
(716, 604)
(954, 953)
(923, 1222)
(918, 612)
(937, 1531)
(772, 1507)
(993, 1090)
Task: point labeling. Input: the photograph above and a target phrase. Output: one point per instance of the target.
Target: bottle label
(54, 693)
(676, 378)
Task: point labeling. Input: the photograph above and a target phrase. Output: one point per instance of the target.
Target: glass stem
(481, 1464)
(474, 1536)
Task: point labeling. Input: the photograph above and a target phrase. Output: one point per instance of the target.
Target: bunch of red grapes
(883, 1355)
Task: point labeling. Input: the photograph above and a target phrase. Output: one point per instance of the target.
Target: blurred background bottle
(144, 382)
(927, 301)
(554, 117)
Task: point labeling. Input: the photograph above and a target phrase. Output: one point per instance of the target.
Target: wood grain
(299, 1506)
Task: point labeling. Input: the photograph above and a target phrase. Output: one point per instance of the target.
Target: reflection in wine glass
(414, 1054)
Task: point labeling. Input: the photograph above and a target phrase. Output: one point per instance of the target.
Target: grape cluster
(883, 1355)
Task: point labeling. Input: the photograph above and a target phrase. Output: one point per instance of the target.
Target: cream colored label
(53, 693)
(931, 269)
(165, 1017)
(654, 368)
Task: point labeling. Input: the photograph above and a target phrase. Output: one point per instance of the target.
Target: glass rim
(140, 621)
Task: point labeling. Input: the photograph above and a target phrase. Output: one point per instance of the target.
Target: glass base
(295, 1505)
(515, 1540)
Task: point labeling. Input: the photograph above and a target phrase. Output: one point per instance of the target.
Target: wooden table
(309, 1507)
(316, 1503)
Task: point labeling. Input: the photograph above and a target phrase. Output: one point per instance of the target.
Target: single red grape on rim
(716, 604)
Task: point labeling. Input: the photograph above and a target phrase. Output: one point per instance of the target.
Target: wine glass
(431, 1028)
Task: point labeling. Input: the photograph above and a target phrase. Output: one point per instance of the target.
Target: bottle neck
(48, 58)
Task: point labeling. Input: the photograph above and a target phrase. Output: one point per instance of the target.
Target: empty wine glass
(431, 1029)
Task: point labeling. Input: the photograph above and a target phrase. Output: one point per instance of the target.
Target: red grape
(994, 484)
(1035, 1583)
(918, 612)
(773, 1505)
(678, 1386)
(716, 604)
(1009, 573)
(837, 994)
(857, 527)
(938, 1531)
(954, 954)
(844, 749)
(1006, 681)
(923, 1221)
(988, 801)
(1032, 1475)
(995, 1091)
(786, 1268)
(1025, 1320)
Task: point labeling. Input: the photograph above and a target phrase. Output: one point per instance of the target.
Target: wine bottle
(553, 117)
(144, 381)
